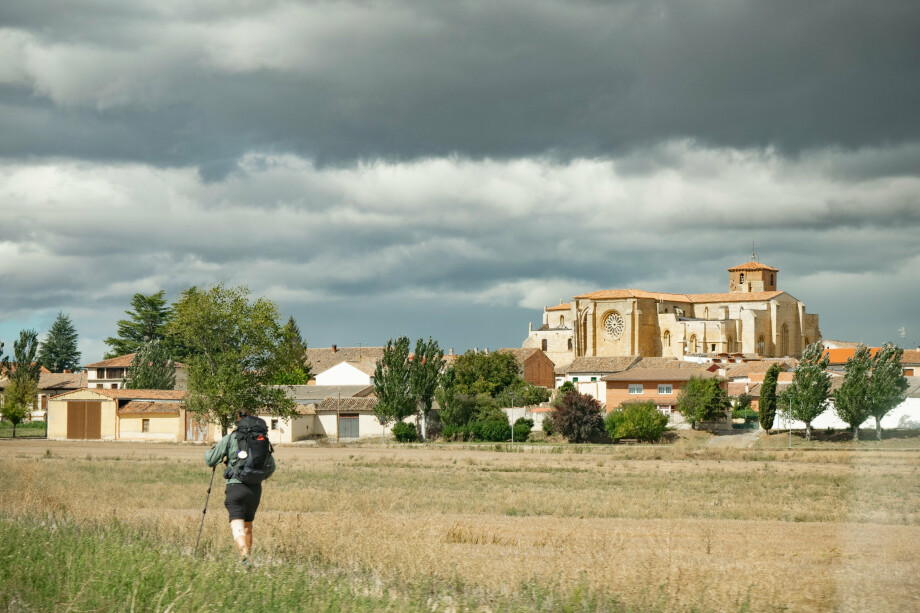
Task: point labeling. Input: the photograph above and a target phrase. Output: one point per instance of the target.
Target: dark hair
(242, 413)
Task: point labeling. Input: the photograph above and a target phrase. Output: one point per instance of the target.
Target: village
(617, 347)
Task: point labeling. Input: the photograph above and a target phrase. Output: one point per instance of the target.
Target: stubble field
(111, 526)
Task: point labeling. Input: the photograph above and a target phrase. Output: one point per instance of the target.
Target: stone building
(752, 318)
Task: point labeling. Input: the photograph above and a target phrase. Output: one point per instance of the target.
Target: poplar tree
(767, 406)
(424, 375)
(59, 351)
(807, 397)
(852, 401)
(888, 385)
(23, 373)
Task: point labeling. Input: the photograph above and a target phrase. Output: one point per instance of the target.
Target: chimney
(451, 352)
(334, 349)
(475, 349)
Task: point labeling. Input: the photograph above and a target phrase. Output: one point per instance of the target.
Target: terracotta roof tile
(120, 361)
(753, 266)
(324, 358)
(144, 407)
(125, 394)
(660, 374)
(619, 294)
(746, 369)
(565, 306)
(600, 364)
(345, 405)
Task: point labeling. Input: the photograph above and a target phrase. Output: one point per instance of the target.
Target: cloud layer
(448, 168)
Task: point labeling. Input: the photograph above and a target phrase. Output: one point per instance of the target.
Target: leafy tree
(806, 398)
(767, 408)
(852, 401)
(148, 320)
(702, 400)
(151, 368)
(392, 383)
(233, 343)
(521, 429)
(522, 394)
(639, 420)
(23, 373)
(405, 432)
(566, 387)
(888, 386)
(484, 373)
(577, 417)
(424, 375)
(59, 351)
(291, 366)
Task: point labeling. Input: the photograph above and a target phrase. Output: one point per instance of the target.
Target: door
(348, 426)
(84, 419)
(195, 429)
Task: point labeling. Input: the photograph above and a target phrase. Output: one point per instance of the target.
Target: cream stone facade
(752, 318)
(556, 337)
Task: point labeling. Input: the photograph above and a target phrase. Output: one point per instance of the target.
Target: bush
(577, 417)
(522, 428)
(747, 414)
(638, 420)
(548, 426)
(490, 429)
(405, 432)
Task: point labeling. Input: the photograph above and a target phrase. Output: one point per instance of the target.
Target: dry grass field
(677, 527)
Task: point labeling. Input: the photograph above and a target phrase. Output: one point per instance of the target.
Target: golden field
(676, 527)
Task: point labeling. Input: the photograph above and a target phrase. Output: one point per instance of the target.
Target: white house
(347, 373)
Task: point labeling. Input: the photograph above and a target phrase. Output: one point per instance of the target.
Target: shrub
(490, 429)
(638, 420)
(548, 426)
(577, 417)
(566, 387)
(748, 414)
(522, 428)
(405, 432)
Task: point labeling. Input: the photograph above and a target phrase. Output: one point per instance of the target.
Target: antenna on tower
(753, 252)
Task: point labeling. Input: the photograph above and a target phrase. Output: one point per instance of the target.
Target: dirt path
(740, 439)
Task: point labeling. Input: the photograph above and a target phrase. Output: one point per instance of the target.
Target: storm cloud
(448, 168)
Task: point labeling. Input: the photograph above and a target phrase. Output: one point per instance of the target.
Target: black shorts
(242, 500)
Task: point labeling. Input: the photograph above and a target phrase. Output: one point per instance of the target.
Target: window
(99, 386)
(614, 325)
(570, 344)
(771, 278)
(574, 379)
(635, 388)
(693, 347)
(544, 344)
(274, 424)
(114, 386)
(562, 321)
(761, 346)
(667, 338)
(594, 378)
(145, 425)
(665, 388)
(742, 277)
(713, 347)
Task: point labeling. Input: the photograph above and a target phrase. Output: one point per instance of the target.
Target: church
(752, 318)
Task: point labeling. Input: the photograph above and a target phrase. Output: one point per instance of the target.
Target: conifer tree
(148, 320)
(59, 351)
(291, 367)
(767, 408)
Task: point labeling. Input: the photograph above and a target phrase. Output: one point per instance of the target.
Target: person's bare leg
(238, 529)
(248, 527)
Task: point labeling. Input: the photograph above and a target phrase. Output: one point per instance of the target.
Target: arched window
(784, 340)
(693, 346)
(742, 277)
(761, 345)
(667, 338)
(771, 278)
(570, 344)
(706, 313)
(544, 345)
(562, 321)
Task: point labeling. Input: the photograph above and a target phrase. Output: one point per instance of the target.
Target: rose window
(613, 325)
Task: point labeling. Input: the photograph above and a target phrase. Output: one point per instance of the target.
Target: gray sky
(448, 168)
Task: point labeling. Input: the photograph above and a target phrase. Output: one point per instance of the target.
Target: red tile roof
(661, 374)
(143, 407)
(121, 361)
(565, 306)
(753, 266)
(124, 394)
(620, 294)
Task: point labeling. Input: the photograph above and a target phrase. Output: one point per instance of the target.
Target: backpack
(252, 438)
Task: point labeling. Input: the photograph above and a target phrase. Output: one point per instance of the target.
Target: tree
(806, 398)
(149, 320)
(767, 407)
(151, 368)
(23, 373)
(59, 351)
(424, 374)
(292, 367)
(577, 417)
(392, 383)
(888, 385)
(639, 420)
(522, 394)
(702, 400)
(232, 344)
(852, 401)
(485, 373)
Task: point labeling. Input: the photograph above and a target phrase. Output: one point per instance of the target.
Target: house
(535, 366)
(655, 382)
(347, 373)
(307, 424)
(124, 414)
(587, 373)
(322, 359)
(109, 374)
(910, 360)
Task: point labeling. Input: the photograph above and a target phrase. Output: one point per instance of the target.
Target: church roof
(619, 294)
(600, 364)
(565, 306)
(752, 265)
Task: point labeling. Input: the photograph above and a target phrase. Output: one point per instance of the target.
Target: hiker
(248, 456)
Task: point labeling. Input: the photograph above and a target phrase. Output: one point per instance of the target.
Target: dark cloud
(398, 80)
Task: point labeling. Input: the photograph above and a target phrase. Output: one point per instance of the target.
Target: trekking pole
(205, 510)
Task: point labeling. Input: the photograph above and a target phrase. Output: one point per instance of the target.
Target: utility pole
(512, 418)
